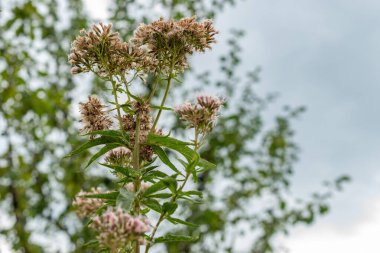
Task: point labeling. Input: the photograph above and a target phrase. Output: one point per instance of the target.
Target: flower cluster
(116, 228)
(94, 118)
(161, 47)
(202, 115)
(102, 51)
(86, 206)
(143, 187)
(170, 41)
(119, 156)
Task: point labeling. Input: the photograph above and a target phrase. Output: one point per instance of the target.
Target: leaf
(95, 142)
(193, 193)
(109, 133)
(129, 172)
(165, 159)
(125, 199)
(191, 167)
(101, 152)
(171, 183)
(91, 243)
(162, 107)
(158, 186)
(108, 195)
(161, 195)
(206, 164)
(169, 207)
(154, 139)
(148, 169)
(179, 221)
(152, 204)
(176, 238)
(154, 175)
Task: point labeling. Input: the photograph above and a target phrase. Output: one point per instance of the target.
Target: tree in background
(37, 129)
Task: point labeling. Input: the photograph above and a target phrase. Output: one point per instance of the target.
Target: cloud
(360, 237)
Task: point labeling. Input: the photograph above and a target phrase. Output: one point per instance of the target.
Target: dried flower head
(119, 156)
(94, 118)
(143, 187)
(170, 41)
(87, 206)
(116, 228)
(201, 115)
(102, 51)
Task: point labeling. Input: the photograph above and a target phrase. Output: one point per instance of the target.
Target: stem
(136, 165)
(174, 198)
(155, 84)
(117, 106)
(166, 92)
(162, 102)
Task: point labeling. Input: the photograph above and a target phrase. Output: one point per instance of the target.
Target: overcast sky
(325, 54)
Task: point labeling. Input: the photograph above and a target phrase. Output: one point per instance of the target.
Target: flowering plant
(150, 182)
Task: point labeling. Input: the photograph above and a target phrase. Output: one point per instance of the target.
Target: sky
(323, 54)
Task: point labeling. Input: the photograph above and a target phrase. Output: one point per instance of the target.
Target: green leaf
(125, 199)
(176, 238)
(206, 164)
(95, 142)
(161, 107)
(101, 152)
(171, 183)
(129, 172)
(155, 188)
(148, 169)
(192, 193)
(169, 207)
(161, 195)
(152, 204)
(154, 175)
(109, 133)
(165, 159)
(91, 243)
(191, 167)
(108, 195)
(154, 139)
(179, 221)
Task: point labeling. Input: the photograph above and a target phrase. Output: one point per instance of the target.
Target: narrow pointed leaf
(165, 159)
(176, 238)
(179, 221)
(101, 152)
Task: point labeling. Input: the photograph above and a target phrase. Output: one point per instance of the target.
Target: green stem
(155, 84)
(166, 91)
(174, 198)
(162, 102)
(117, 106)
(136, 165)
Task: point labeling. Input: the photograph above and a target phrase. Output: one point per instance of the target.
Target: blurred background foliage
(247, 196)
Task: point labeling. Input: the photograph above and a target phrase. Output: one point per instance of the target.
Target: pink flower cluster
(85, 206)
(93, 115)
(116, 228)
(143, 187)
(172, 40)
(202, 115)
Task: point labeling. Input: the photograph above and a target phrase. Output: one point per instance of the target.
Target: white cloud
(327, 238)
